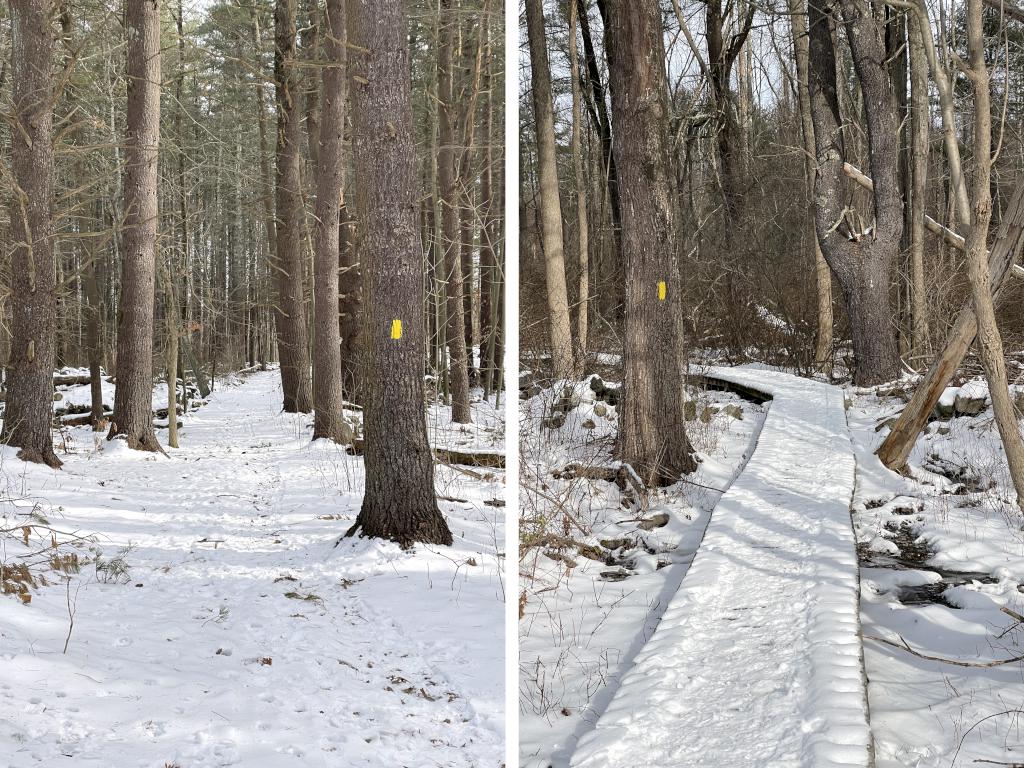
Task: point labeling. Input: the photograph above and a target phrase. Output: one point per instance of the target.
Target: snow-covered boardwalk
(757, 660)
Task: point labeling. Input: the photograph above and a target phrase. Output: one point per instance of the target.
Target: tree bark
(896, 447)
(399, 503)
(728, 139)
(989, 340)
(582, 226)
(92, 312)
(490, 236)
(292, 334)
(919, 131)
(550, 207)
(451, 228)
(822, 274)
(329, 417)
(861, 260)
(350, 286)
(652, 436)
(133, 397)
(28, 412)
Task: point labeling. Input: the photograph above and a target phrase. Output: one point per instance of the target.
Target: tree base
(429, 528)
(146, 441)
(49, 458)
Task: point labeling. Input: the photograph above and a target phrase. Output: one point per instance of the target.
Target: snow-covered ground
(216, 622)
(942, 553)
(757, 659)
(597, 570)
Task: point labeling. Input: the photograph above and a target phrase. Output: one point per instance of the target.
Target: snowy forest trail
(757, 660)
(237, 633)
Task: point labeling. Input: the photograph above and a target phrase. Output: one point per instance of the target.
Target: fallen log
(68, 380)
(81, 420)
(470, 458)
(622, 475)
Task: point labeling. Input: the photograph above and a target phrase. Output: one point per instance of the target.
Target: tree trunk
(550, 207)
(350, 287)
(728, 139)
(292, 335)
(171, 357)
(608, 265)
(898, 444)
(133, 397)
(28, 413)
(490, 235)
(822, 275)
(583, 233)
(989, 341)
(93, 309)
(452, 231)
(919, 130)
(862, 260)
(467, 176)
(652, 436)
(93, 338)
(329, 419)
(399, 503)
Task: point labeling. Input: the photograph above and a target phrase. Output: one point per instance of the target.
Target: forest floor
(216, 619)
(940, 553)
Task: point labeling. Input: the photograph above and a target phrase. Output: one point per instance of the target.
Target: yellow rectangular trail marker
(661, 290)
(396, 329)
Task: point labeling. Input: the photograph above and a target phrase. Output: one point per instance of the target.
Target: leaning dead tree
(975, 323)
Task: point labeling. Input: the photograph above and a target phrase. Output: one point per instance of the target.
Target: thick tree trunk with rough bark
(559, 324)
(652, 436)
(399, 503)
(861, 256)
(451, 227)
(292, 335)
(133, 397)
(28, 413)
(329, 417)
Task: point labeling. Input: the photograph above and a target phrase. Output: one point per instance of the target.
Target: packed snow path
(757, 662)
(241, 635)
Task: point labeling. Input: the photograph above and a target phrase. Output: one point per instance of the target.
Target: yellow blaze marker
(661, 290)
(396, 329)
